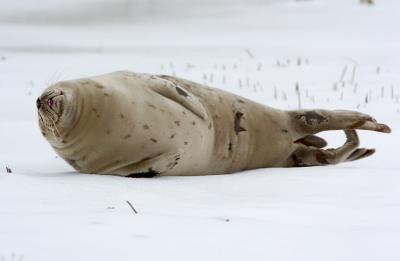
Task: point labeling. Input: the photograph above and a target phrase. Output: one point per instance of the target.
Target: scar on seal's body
(237, 127)
(181, 92)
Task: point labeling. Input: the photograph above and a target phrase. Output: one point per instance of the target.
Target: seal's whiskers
(55, 128)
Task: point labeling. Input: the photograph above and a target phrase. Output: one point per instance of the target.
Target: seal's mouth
(50, 109)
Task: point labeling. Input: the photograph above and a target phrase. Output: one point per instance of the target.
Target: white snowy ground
(341, 54)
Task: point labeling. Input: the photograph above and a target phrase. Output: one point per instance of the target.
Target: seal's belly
(247, 134)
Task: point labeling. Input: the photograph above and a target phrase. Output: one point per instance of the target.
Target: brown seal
(142, 125)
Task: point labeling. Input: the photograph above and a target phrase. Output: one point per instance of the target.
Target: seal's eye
(50, 102)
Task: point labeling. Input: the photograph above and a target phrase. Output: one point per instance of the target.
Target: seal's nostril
(38, 103)
(50, 102)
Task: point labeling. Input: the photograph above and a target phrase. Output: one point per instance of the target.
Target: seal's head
(55, 110)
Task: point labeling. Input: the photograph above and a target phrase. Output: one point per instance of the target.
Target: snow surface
(341, 55)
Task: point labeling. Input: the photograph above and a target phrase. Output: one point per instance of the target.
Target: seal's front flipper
(179, 94)
(149, 168)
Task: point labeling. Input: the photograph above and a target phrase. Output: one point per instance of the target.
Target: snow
(256, 49)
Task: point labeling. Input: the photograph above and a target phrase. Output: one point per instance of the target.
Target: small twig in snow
(343, 73)
(205, 78)
(392, 92)
(284, 96)
(335, 86)
(134, 210)
(353, 75)
(249, 53)
(297, 87)
(240, 83)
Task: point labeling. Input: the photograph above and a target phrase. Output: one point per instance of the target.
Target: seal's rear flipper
(179, 94)
(313, 140)
(148, 168)
(306, 122)
(305, 156)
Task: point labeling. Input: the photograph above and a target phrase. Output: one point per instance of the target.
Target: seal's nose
(38, 103)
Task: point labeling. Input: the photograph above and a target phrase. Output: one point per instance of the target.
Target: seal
(141, 125)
